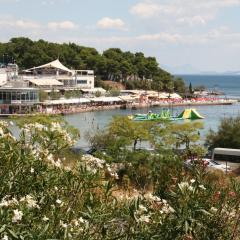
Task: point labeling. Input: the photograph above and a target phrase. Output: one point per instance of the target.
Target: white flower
(164, 201)
(6, 203)
(93, 164)
(1, 132)
(75, 222)
(114, 175)
(81, 220)
(152, 198)
(213, 209)
(57, 163)
(31, 203)
(184, 186)
(63, 225)
(17, 216)
(144, 219)
(5, 237)
(32, 170)
(192, 181)
(191, 188)
(142, 208)
(202, 187)
(68, 169)
(58, 201)
(45, 219)
(50, 158)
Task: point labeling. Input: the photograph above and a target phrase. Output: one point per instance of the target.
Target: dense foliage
(227, 135)
(133, 69)
(46, 192)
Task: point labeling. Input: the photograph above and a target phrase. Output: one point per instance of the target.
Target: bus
(226, 155)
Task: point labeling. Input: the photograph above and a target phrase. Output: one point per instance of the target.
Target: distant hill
(188, 69)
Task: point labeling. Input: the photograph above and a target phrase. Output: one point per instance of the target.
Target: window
(226, 154)
(227, 157)
(81, 81)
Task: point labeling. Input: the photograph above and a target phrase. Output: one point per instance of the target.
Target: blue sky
(202, 35)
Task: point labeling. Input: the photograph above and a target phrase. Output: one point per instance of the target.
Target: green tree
(184, 136)
(179, 85)
(227, 135)
(98, 94)
(54, 95)
(190, 88)
(135, 70)
(43, 96)
(131, 131)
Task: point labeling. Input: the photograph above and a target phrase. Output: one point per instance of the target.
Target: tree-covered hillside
(133, 69)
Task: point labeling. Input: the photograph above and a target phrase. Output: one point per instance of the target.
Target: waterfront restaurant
(55, 74)
(18, 100)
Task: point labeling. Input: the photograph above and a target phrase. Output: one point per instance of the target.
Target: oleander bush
(42, 197)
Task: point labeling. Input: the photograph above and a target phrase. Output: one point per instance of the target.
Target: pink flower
(232, 194)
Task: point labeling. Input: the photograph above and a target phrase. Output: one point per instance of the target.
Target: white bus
(226, 155)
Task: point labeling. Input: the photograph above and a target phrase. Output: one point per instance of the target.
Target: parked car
(208, 163)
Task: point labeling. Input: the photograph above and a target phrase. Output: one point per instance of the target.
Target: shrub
(42, 198)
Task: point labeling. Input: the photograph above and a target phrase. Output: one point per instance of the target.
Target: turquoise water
(230, 85)
(91, 121)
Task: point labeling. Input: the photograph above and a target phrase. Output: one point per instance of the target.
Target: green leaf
(44, 230)
(2, 229)
(13, 234)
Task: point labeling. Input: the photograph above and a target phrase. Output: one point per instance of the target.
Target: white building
(8, 73)
(3, 76)
(84, 79)
(56, 75)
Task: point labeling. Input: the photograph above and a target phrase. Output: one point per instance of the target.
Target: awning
(67, 101)
(93, 90)
(45, 82)
(106, 99)
(54, 64)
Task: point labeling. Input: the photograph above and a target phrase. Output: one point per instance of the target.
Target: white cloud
(109, 23)
(66, 25)
(54, 2)
(182, 11)
(26, 24)
(145, 9)
(220, 35)
(10, 22)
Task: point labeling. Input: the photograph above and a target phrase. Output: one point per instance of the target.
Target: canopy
(93, 90)
(46, 82)
(67, 101)
(106, 99)
(54, 64)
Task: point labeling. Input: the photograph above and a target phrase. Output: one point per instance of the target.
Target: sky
(184, 35)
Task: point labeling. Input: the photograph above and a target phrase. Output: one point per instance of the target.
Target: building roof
(67, 101)
(54, 64)
(127, 98)
(93, 90)
(106, 99)
(46, 82)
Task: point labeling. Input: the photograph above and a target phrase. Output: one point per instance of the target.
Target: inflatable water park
(190, 114)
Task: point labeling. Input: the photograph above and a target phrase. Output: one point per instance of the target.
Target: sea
(229, 85)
